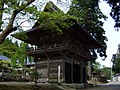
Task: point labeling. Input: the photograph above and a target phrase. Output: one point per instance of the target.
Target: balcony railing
(46, 48)
(59, 46)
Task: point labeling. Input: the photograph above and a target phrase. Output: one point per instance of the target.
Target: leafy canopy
(89, 16)
(101, 70)
(56, 21)
(20, 56)
(13, 14)
(8, 48)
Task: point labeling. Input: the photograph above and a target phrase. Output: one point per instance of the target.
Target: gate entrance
(76, 73)
(67, 72)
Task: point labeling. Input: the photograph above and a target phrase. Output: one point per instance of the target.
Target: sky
(112, 35)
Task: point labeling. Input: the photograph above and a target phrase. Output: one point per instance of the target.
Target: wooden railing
(50, 47)
(60, 46)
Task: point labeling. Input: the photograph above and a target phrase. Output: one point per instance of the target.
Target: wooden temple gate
(70, 51)
(70, 54)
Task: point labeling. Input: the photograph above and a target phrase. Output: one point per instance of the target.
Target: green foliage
(5, 65)
(56, 21)
(52, 18)
(96, 67)
(20, 56)
(35, 75)
(21, 35)
(115, 11)
(101, 70)
(8, 48)
(106, 71)
(89, 15)
(116, 64)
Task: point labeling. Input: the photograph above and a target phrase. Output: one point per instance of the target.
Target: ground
(25, 86)
(31, 86)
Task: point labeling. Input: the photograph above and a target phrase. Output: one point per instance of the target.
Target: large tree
(13, 13)
(89, 16)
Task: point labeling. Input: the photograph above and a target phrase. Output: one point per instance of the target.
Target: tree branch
(10, 27)
(21, 8)
(1, 10)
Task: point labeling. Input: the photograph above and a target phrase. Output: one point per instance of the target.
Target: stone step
(71, 86)
(66, 88)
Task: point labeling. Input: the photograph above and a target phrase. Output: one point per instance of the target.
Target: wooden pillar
(63, 69)
(48, 67)
(36, 76)
(84, 75)
(72, 71)
(59, 76)
(81, 77)
(86, 64)
(89, 70)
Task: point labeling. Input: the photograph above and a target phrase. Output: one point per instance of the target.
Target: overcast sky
(112, 35)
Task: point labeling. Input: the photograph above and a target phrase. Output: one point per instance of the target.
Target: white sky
(112, 35)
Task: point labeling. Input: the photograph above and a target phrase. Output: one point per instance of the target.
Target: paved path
(109, 86)
(113, 87)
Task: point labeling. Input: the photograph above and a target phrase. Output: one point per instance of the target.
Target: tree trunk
(2, 37)
(4, 34)
(10, 27)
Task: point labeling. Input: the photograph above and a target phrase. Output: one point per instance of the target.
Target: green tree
(106, 71)
(20, 58)
(20, 55)
(5, 65)
(13, 13)
(8, 48)
(96, 67)
(101, 70)
(89, 16)
(9, 10)
(115, 11)
(116, 63)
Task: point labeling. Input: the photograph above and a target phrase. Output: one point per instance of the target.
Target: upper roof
(76, 30)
